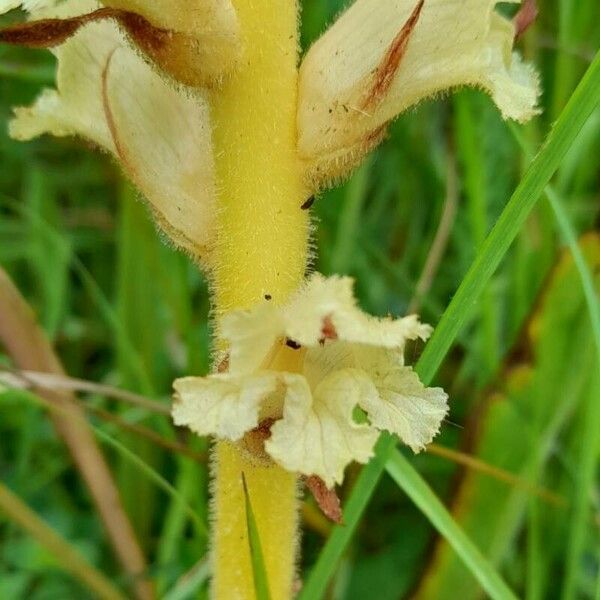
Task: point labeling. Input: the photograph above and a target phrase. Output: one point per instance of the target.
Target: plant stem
(261, 253)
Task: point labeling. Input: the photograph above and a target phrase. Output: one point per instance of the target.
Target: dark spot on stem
(308, 203)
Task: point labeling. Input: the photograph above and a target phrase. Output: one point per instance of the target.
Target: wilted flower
(119, 62)
(383, 56)
(107, 93)
(314, 380)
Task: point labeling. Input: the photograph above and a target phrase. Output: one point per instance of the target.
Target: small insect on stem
(308, 203)
(294, 345)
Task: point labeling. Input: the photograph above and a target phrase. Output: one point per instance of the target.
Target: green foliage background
(122, 308)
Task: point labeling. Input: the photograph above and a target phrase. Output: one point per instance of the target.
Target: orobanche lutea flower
(315, 377)
(313, 380)
(135, 77)
(203, 105)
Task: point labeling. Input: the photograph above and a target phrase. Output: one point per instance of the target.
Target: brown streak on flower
(525, 17)
(327, 499)
(328, 330)
(223, 365)
(110, 120)
(254, 441)
(47, 33)
(388, 67)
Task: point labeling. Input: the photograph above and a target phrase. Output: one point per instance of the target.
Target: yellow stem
(261, 253)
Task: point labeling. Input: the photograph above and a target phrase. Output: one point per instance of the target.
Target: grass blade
(581, 105)
(29, 348)
(67, 556)
(153, 476)
(591, 434)
(259, 570)
(415, 487)
(316, 583)
(590, 443)
(584, 101)
(190, 583)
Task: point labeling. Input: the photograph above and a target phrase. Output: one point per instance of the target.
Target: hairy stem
(261, 256)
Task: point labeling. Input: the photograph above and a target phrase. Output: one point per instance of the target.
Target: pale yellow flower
(119, 61)
(107, 93)
(383, 56)
(298, 374)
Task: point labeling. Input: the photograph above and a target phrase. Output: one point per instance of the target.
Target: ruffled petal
(317, 434)
(320, 361)
(221, 405)
(325, 308)
(250, 335)
(161, 135)
(383, 56)
(406, 407)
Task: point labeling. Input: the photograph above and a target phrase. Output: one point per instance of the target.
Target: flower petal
(317, 434)
(195, 43)
(383, 56)
(406, 407)
(203, 42)
(109, 95)
(221, 405)
(28, 5)
(325, 308)
(251, 334)
(163, 140)
(320, 361)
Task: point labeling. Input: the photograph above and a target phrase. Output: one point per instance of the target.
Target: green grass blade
(96, 294)
(471, 151)
(581, 105)
(415, 487)
(316, 584)
(132, 458)
(190, 583)
(591, 435)
(259, 570)
(67, 556)
(154, 476)
(590, 442)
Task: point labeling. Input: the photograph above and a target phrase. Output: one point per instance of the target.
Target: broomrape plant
(204, 107)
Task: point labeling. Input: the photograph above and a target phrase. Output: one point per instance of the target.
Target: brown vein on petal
(328, 330)
(110, 120)
(388, 67)
(327, 499)
(178, 236)
(525, 17)
(47, 33)
(223, 365)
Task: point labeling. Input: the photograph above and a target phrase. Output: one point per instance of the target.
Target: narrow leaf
(261, 583)
(67, 556)
(415, 487)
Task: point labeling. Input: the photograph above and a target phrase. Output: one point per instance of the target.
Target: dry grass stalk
(29, 348)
